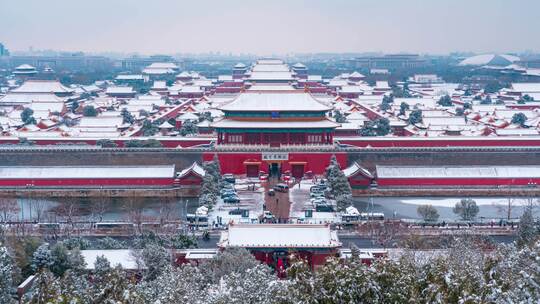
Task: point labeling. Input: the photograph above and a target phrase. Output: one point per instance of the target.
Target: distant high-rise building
(391, 62)
(3, 50)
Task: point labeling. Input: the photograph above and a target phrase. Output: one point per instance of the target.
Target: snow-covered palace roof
(273, 101)
(458, 172)
(356, 168)
(193, 168)
(279, 236)
(67, 172)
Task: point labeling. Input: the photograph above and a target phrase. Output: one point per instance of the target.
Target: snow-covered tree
(113, 287)
(109, 243)
(213, 168)
(127, 118)
(209, 191)
(339, 184)
(237, 260)
(42, 258)
(188, 127)
(6, 275)
(75, 288)
(60, 256)
(155, 258)
(466, 209)
(46, 288)
(101, 267)
(345, 282)
(428, 213)
(246, 287)
(527, 231)
(184, 284)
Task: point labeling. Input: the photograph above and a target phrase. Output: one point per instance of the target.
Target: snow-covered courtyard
(300, 202)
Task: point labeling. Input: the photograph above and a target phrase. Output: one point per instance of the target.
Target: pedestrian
(277, 201)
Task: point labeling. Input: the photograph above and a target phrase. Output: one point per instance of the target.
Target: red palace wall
(451, 142)
(359, 181)
(74, 182)
(403, 182)
(168, 142)
(234, 162)
(190, 180)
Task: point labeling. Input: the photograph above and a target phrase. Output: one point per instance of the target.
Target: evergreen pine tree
(6, 275)
(527, 231)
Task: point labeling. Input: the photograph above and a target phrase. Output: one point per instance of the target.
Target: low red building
(191, 176)
(87, 177)
(358, 176)
(273, 244)
(457, 176)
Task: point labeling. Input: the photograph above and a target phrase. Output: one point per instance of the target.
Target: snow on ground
(300, 201)
(250, 200)
(451, 201)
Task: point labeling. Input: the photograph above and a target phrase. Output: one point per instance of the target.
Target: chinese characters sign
(275, 156)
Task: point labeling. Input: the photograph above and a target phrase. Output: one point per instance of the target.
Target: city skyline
(279, 27)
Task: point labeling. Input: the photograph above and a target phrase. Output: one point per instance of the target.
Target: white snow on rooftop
(279, 236)
(238, 124)
(274, 102)
(45, 172)
(458, 172)
(42, 86)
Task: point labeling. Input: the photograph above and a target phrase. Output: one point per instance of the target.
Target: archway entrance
(274, 170)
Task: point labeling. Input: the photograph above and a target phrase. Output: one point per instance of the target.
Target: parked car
(318, 188)
(268, 215)
(318, 200)
(229, 178)
(233, 199)
(281, 188)
(225, 194)
(316, 194)
(237, 211)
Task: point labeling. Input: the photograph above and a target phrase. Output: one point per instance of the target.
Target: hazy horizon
(272, 27)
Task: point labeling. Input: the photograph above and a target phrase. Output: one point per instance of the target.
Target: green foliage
(155, 258)
(519, 119)
(188, 127)
(445, 101)
(25, 141)
(339, 117)
(205, 116)
(27, 116)
(90, 111)
(149, 143)
(527, 231)
(403, 108)
(486, 101)
(339, 184)
(127, 118)
(466, 209)
(379, 127)
(428, 213)
(106, 143)
(6, 275)
(415, 116)
(149, 128)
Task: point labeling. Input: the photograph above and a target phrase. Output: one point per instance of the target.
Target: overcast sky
(271, 26)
